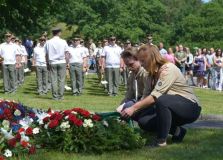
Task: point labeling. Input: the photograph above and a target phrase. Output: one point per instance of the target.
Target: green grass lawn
(202, 144)
(94, 97)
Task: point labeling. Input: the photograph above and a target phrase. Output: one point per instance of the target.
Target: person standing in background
(10, 55)
(189, 66)
(180, 58)
(170, 56)
(85, 69)
(162, 50)
(24, 55)
(218, 65)
(91, 48)
(77, 61)
(98, 52)
(210, 71)
(39, 61)
(113, 64)
(56, 48)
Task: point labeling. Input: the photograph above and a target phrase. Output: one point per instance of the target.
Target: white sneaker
(67, 88)
(27, 70)
(104, 82)
(205, 86)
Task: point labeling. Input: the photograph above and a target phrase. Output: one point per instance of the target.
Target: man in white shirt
(77, 61)
(111, 55)
(9, 52)
(56, 48)
(39, 61)
(163, 51)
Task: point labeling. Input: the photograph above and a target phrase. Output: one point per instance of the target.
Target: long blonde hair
(153, 57)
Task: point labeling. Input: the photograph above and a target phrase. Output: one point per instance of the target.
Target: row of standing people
(14, 61)
(205, 65)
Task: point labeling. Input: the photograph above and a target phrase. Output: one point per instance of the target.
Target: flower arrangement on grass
(23, 129)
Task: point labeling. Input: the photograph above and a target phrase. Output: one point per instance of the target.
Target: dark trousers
(146, 117)
(171, 111)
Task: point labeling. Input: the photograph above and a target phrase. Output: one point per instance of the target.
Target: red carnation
(85, 113)
(72, 118)
(96, 117)
(21, 130)
(12, 142)
(67, 112)
(18, 137)
(29, 131)
(46, 119)
(24, 144)
(2, 116)
(32, 150)
(57, 116)
(53, 124)
(79, 122)
(7, 113)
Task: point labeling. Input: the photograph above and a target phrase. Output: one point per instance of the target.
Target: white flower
(40, 121)
(66, 117)
(73, 112)
(35, 130)
(64, 125)
(24, 137)
(88, 123)
(26, 122)
(41, 115)
(5, 124)
(17, 112)
(7, 135)
(8, 153)
(105, 123)
(46, 126)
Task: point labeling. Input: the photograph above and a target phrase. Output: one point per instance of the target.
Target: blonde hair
(153, 57)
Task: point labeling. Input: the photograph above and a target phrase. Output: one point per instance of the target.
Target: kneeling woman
(175, 101)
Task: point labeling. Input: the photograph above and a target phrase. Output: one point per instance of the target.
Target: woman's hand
(128, 112)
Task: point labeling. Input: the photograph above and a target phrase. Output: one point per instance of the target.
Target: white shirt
(77, 54)
(86, 51)
(92, 48)
(56, 48)
(9, 51)
(23, 52)
(39, 55)
(190, 59)
(210, 58)
(163, 52)
(112, 56)
(98, 52)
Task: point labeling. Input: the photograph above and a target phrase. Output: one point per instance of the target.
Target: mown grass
(94, 97)
(198, 144)
(203, 144)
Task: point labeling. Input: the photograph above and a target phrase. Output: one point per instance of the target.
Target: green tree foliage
(26, 17)
(205, 27)
(193, 22)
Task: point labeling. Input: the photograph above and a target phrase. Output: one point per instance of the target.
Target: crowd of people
(205, 65)
(76, 58)
(158, 95)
